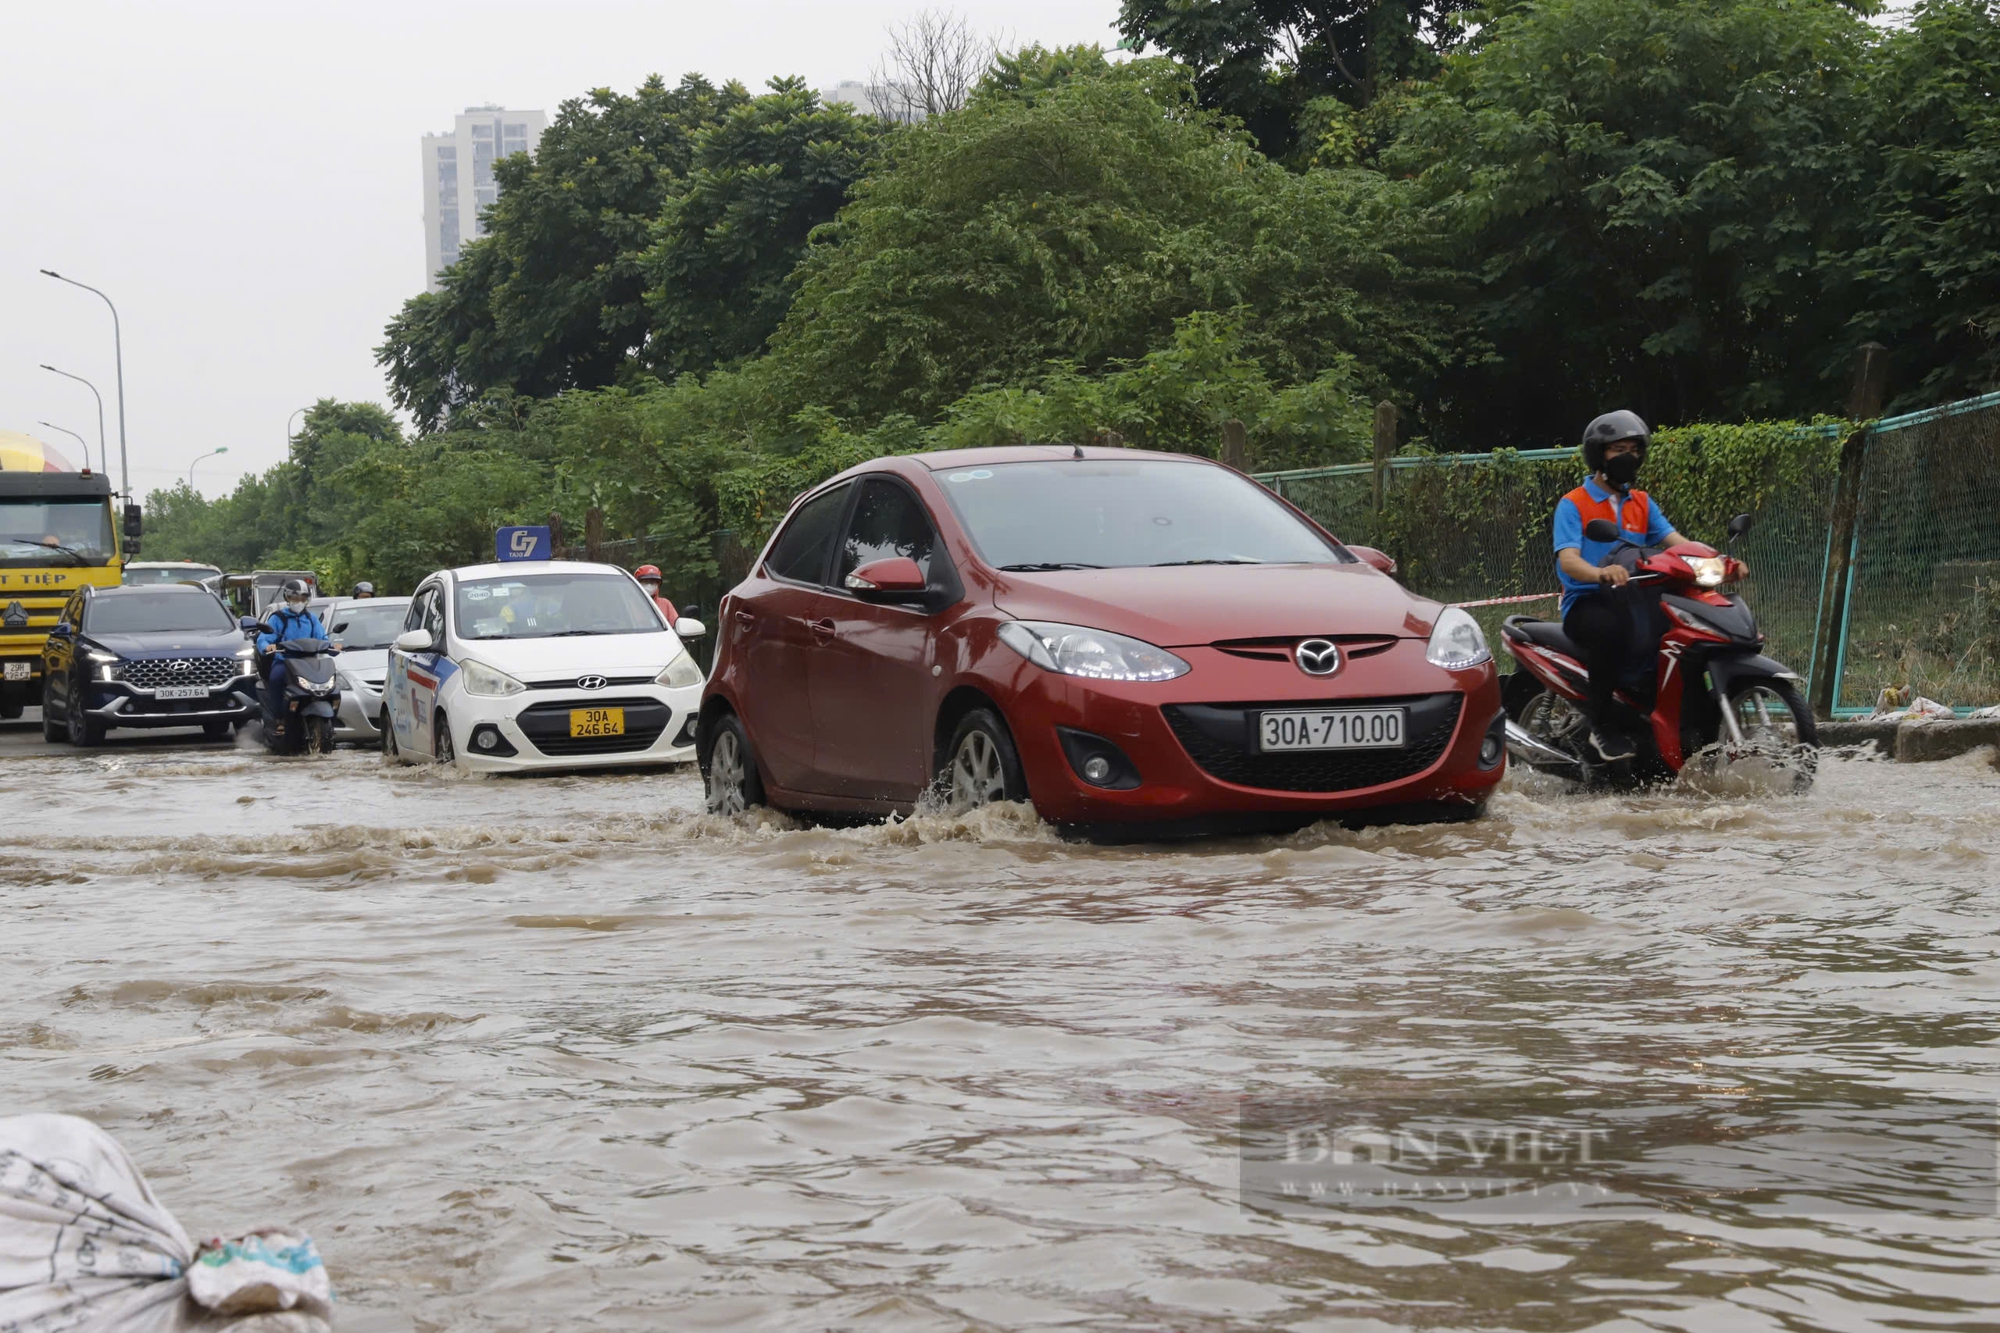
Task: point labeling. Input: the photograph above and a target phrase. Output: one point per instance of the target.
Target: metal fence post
(1385, 449)
(1864, 404)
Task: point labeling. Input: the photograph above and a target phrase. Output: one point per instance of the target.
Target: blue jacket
(284, 623)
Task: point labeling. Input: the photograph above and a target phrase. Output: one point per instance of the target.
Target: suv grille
(547, 725)
(1222, 739)
(153, 672)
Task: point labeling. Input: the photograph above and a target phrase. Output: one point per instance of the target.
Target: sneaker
(1611, 746)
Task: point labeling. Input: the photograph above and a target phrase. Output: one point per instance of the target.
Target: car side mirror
(893, 576)
(689, 628)
(1375, 559)
(248, 624)
(1602, 530)
(1738, 526)
(135, 518)
(414, 641)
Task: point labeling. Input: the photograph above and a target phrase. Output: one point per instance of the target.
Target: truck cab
(59, 531)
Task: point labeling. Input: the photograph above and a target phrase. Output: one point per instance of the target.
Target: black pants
(1614, 629)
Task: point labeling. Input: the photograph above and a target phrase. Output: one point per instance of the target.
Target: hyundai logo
(1317, 657)
(182, 665)
(591, 682)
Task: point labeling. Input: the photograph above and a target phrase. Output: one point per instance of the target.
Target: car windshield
(54, 532)
(156, 613)
(170, 574)
(544, 606)
(364, 625)
(1116, 513)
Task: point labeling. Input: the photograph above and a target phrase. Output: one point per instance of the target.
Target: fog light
(1489, 752)
(1097, 761)
(1098, 769)
(1493, 746)
(486, 740)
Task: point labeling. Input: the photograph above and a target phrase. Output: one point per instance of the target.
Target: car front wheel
(442, 749)
(734, 784)
(83, 728)
(983, 767)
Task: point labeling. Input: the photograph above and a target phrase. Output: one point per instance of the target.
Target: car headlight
(96, 656)
(680, 673)
(1709, 571)
(246, 652)
(484, 680)
(1456, 641)
(1077, 650)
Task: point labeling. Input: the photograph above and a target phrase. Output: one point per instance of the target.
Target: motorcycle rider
(1613, 628)
(362, 589)
(289, 619)
(649, 579)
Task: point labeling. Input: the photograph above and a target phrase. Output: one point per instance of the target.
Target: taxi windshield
(547, 606)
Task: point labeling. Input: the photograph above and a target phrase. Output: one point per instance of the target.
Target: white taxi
(540, 664)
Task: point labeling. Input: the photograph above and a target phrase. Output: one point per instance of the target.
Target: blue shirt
(1569, 536)
(285, 623)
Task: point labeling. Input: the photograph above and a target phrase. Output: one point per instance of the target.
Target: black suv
(162, 656)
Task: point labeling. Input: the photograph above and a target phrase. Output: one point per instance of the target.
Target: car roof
(386, 599)
(1037, 453)
(171, 564)
(148, 589)
(494, 571)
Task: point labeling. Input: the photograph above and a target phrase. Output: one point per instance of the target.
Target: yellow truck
(59, 530)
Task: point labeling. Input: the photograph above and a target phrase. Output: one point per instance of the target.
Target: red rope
(1508, 601)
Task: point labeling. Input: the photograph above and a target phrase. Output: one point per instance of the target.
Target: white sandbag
(84, 1245)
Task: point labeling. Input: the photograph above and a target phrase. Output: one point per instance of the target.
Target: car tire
(981, 765)
(51, 732)
(84, 730)
(442, 748)
(386, 741)
(729, 770)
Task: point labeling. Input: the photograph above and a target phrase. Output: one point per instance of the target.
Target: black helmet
(1608, 430)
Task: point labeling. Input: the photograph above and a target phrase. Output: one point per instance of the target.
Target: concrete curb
(1914, 742)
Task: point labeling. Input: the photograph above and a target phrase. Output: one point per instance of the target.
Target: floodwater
(567, 1054)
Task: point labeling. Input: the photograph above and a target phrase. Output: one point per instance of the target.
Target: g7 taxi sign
(521, 544)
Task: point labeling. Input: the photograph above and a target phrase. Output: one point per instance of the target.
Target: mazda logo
(591, 682)
(1317, 657)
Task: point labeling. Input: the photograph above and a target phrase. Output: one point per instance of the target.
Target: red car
(1120, 637)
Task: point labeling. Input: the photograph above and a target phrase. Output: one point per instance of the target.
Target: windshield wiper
(41, 545)
(1043, 567)
(1164, 563)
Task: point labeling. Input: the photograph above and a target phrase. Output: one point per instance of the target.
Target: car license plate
(1331, 729)
(181, 692)
(19, 670)
(597, 722)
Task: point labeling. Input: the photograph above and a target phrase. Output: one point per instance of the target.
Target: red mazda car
(1120, 637)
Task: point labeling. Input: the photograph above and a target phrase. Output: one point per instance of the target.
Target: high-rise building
(458, 176)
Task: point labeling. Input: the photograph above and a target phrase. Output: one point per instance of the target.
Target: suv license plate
(20, 670)
(1331, 729)
(181, 692)
(597, 722)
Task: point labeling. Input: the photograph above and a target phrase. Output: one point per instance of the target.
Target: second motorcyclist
(1614, 630)
(649, 579)
(291, 618)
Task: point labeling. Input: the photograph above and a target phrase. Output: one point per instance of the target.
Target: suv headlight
(488, 682)
(1077, 650)
(97, 656)
(1456, 641)
(680, 673)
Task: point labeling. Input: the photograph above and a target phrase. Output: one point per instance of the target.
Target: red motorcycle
(1714, 693)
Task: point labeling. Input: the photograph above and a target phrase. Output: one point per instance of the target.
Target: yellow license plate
(597, 722)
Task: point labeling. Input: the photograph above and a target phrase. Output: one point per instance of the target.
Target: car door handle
(822, 629)
(745, 621)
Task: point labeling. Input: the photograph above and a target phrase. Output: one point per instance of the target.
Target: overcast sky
(243, 180)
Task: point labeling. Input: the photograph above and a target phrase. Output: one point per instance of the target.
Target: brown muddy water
(567, 1054)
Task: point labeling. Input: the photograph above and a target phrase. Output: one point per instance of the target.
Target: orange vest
(1638, 515)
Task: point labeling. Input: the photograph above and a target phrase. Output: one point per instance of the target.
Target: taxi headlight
(680, 673)
(1077, 650)
(488, 682)
(1709, 571)
(1456, 641)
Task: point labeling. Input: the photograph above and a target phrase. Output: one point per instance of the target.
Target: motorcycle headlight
(1709, 571)
(1456, 641)
(488, 682)
(1076, 650)
(680, 673)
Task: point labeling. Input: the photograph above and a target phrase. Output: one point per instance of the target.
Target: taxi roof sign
(522, 544)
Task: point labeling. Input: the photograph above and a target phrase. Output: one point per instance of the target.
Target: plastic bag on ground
(84, 1245)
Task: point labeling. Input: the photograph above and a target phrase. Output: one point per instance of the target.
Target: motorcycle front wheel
(1776, 720)
(318, 734)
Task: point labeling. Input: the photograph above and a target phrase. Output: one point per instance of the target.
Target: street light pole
(103, 458)
(74, 436)
(210, 454)
(118, 351)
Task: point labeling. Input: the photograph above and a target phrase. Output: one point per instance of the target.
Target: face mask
(1622, 469)
(296, 606)
(651, 589)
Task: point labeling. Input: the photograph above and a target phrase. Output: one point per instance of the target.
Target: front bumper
(659, 729)
(1192, 742)
(117, 704)
(360, 711)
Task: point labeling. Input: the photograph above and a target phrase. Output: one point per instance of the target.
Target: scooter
(304, 719)
(1714, 693)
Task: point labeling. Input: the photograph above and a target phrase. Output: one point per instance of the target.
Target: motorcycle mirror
(1738, 526)
(1602, 530)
